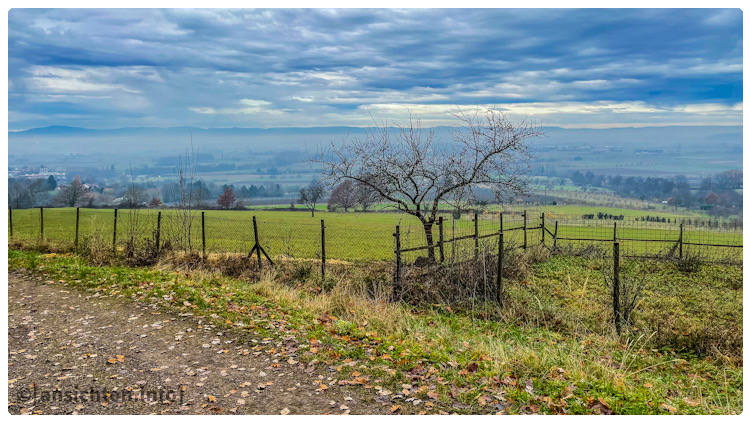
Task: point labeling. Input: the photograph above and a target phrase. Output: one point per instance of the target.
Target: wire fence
(376, 237)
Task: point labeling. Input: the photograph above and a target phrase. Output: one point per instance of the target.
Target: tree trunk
(312, 210)
(430, 242)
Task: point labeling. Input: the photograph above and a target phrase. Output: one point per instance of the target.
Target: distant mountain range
(157, 141)
(181, 130)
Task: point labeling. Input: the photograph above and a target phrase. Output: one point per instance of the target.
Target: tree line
(716, 194)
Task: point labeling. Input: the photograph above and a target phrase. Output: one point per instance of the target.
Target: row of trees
(716, 194)
(27, 193)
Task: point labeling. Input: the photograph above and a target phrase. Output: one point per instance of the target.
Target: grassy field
(549, 349)
(356, 236)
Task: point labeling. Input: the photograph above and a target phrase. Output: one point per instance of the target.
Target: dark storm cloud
(106, 68)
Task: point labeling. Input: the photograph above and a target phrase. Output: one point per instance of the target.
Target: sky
(109, 68)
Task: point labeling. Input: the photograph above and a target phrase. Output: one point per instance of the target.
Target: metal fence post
(554, 237)
(476, 234)
(78, 220)
(203, 232)
(542, 227)
(500, 267)
(41, 223)
(616, 286)
(680, 241)
(441, 239)
(158, 231)
(614, 234)
(501, 221)
(322, 250)
(255, 231)
(397, 275)
(10, 221)
(524, 230)
(114, 233)
(453, 238)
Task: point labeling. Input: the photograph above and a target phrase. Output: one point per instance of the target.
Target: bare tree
(35, 188)
(343, 196)
(18, 194)
(226, 199)
(310, 196)
(155, 202)
(414, 173)
(73, 194)
(135, 198)
(365, 195)
(185, 196)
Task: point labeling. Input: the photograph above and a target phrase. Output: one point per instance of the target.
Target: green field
(364, 236)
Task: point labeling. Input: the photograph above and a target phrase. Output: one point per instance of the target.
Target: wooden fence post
(554, 237)
(616, 286)
(501, 221)
(542, 227)
(680, 240)
(323, 250)
(255, 231)
(476, 234)
(524, 230)
(397, 275)
(441, 239)
(41, 223)
(500, 267)
(78, 219)
(203, 232)
(158, 231)
(10, 221)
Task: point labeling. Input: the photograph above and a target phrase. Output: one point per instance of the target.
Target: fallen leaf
(669, 408)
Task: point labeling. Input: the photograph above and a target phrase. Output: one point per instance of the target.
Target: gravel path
(141, 359)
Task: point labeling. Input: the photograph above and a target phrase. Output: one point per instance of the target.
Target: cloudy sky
(270, 68)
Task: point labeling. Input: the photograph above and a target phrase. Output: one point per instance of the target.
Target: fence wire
(367, 237)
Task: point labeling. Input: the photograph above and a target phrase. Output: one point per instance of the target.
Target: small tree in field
(226, 199)
(311, 195)
(343, 196)
(414, 173)
(365, 195)
(155, 202)
(73, 194)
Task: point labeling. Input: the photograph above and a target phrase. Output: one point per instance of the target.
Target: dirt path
(63, 340)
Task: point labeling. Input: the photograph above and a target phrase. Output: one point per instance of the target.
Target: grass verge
(448, 360)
